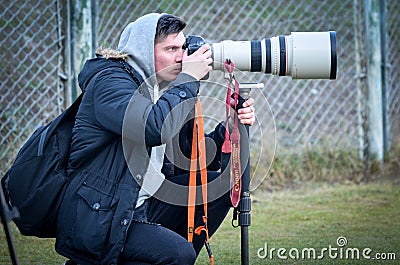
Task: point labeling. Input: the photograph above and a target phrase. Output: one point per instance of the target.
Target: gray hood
(137, 40)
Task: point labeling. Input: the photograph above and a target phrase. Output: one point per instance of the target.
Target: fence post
(374, 79)
(83, 38)
(384, 66)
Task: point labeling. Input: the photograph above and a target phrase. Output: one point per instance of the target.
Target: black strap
(135, 79)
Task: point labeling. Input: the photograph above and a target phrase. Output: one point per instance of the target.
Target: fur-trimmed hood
(109, 53)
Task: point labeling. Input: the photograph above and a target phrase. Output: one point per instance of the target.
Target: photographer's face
(168, 57)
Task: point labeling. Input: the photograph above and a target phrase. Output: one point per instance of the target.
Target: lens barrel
(301, 55)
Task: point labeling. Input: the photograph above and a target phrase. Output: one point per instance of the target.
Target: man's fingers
(246, 110)
(248, 102)
(204, 48)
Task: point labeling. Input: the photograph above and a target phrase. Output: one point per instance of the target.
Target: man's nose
(179, 55)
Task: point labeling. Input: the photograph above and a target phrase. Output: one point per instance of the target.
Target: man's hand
(198, 63)
(246, 113)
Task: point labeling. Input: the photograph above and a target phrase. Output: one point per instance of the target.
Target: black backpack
(36, 182)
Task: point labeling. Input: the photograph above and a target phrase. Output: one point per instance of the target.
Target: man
(132, 96)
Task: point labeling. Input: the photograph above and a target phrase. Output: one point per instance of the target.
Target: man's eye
(171, 49)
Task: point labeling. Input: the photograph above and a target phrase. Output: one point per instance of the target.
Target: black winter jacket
(100, 200)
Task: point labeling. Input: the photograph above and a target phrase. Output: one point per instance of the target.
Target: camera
(301, 55)
(193, 43)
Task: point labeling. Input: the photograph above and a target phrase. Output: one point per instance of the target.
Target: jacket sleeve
(112, 92)
(120, 108)
(171, 111)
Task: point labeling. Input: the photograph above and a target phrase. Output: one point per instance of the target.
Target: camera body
(301, 55)
(193, 43)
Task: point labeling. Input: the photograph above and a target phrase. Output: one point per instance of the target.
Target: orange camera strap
(198, 156)
(231, 145)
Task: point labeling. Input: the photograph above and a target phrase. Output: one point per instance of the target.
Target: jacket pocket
(94, 214)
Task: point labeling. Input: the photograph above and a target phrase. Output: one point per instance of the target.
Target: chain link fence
(334, 113)
(31, 66)
(304, 110)
(35, 66)
(392, 66)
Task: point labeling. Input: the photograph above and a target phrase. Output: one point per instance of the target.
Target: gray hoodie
(137, 40)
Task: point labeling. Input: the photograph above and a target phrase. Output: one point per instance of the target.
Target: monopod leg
(244, 206)
(5, 215)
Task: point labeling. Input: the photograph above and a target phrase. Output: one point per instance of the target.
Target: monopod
(242, 212)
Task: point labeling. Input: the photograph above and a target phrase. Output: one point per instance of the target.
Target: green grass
(368, 215)
(311, 216)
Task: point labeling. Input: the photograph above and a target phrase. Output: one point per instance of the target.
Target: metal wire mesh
(393, 73)
(305, 110)
(31, 93)
(32, 35)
